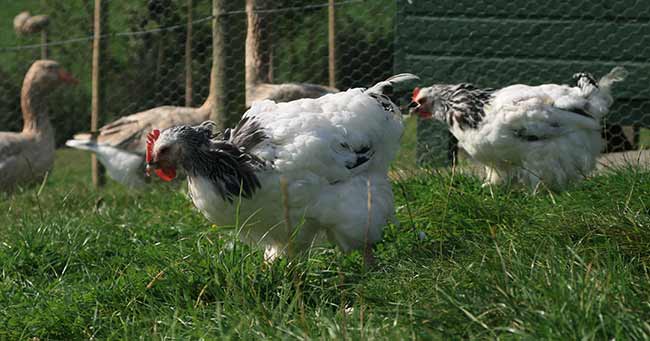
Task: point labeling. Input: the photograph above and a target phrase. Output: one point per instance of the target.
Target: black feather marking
(464, 104)
(226, 134)
(363, 150)
(585, 79)
(227, 163)
(384, 101)
(247, 134)
(364, 154)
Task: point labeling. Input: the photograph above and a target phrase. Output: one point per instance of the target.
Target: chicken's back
(529, 136)
(314, 134)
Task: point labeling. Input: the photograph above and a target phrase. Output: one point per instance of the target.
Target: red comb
(151, 139)
(416, 92)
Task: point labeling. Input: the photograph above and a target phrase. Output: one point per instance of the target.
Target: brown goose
(27, 155)
(25, 23)
(120, 145)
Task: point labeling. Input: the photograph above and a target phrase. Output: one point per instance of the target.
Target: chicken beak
(150, 167)
(413, 107)
(416, 108)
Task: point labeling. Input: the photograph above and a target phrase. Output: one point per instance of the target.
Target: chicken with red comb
(165, 171)
(329, 152)
(546, 135)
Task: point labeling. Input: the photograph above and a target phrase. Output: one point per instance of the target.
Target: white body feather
(306, 140)
(569, 143)
(122, 166)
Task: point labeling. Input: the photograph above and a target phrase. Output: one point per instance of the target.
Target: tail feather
(602, 100)
(617, 74)
(386, 86)
(83, 144)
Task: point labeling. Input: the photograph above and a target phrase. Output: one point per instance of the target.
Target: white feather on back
(309, 134)
(568, 144)
(122, 166)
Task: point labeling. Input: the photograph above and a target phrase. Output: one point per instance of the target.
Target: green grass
(644, 138)
(112, 264)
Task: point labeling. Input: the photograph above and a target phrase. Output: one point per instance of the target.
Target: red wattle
(166, 174)
(151, 140)
(425, 115)
(416, 92)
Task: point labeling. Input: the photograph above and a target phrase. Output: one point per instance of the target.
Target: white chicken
(548, 134)
(332, 153)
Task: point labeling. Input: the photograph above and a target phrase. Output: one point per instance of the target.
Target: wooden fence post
(188, 57)
(332, 43)
(228, 74)
(44, 47)
(44, 38)
(99, 47)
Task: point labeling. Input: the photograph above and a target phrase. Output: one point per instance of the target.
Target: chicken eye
(163, 150)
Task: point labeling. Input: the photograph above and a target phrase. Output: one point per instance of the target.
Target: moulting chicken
(548, 134)
(28, 155)
(333, 154)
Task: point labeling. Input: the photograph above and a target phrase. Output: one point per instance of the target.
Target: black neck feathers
(225, 160)
(465, 104)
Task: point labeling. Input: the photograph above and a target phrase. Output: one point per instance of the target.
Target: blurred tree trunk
(228, 79)
(258, 45)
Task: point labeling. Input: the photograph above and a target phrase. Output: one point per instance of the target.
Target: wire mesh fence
(150, 61)
(498, 43)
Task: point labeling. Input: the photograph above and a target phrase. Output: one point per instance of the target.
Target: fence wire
(145, 65)
(491, 44)
(498, 43)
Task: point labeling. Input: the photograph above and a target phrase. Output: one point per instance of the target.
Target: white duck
(28, 155)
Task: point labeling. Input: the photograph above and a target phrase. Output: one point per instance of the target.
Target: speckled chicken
(548, 134)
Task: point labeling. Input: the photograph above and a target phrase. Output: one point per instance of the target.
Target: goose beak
(66, 77)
